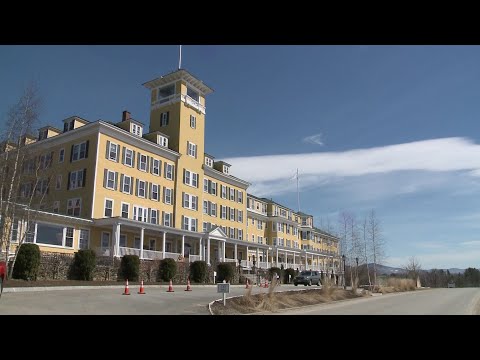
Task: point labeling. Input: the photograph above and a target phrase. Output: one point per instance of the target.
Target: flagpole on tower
(180, 58)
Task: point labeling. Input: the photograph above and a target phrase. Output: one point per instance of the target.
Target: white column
(142, 231)
(116, 237)
(257, 258)
(200, 248)
(208, 250)
(294, 263)
(183, 244)
(276, 261)
(163, 249)
(267, 258)
(235, 253)
(246, 258)
(223, 250)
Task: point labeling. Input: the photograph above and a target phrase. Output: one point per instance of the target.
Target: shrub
(287, 272)
(198, 271)
(27, 263)
(83, 265)
(272, 271)
(225, 271)
(130, 267)
(168, 269)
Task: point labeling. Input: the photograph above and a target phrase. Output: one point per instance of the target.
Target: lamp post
(344, 282)
(356, 272)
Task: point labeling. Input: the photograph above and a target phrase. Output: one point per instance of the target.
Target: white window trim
(105, 207)
(165, 190)
(116, 151)
(121, 210)
(125, 158)
(144, 189)
(140, 163)
(153, 167)
(106, 183)
(59, 152)
(79, 230)
(171, 172)
(123, 188)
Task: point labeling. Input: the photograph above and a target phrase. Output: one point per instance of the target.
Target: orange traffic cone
(246, 285)
(189, 288)
(142, 290)
(126, 291)
(170, 287)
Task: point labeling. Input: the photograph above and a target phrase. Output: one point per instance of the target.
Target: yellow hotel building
(124, 188)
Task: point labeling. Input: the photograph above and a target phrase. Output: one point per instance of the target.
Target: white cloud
(314, 139)
(271, 174)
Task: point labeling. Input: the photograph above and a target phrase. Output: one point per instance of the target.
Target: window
(224, 191)
(56, 207)
(190, 178)
(142, 165)
(253, 238)
(140, 213)
(167, 219)
(240, 234)
(76, 179)
(136, 242)
(260, 239)
(213, 188)
(213, 210)
(74, 206)
(205, 207)
(153, 216)
(208, 162)
(125, 210)
(225, 169)
(167, 194)
(105, 240)
(205, 185)
(79, 151)
(279, 227)
(253, 221)
(169, 171)
(190, 201)
(192, 93)
(155, 167)
(42, 134)
(83, 239)
(189, 223)
(165, 91)
(112, 151)
(110, 183)
(127, 184)
(108, 208)
(164, 118)
(240, 197)
(240, 216)
(58, 182)
(49, 234)
(151, 244)
(193, 122)
(259, 224)
(123, 240)
(14, 233)
(232, 214)
(141, 188)
(61, 155)
(206, 227)
(154, 194)
(128, 157)
(232, 194)
(231, 233)
(137, 129)
(224, 212)
(163, 141)
(69, 237)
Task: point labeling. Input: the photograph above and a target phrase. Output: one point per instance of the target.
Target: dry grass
(275, 301)
(397, 285)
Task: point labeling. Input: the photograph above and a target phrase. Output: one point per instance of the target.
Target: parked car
(307, 277)
(451, 285)
(3, 271)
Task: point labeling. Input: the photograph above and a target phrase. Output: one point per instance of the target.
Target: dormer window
(68, 125)
(225, 169)
(136, 129)
(42, 134)
(208, 162)
(163, 141)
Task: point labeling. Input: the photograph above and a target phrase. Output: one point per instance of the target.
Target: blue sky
(390, 128)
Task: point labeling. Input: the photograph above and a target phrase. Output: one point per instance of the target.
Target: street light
(344, 282)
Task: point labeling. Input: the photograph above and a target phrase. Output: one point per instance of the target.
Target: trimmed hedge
(167, 269)
(83, 266)
(225, 271)
(27, 262)
(287, 272)
(199, 271)
(274, 270)
(130, 267)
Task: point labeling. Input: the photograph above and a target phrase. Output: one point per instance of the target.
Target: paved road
(104, 301)
(424, 302)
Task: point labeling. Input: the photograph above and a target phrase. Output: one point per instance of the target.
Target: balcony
(193, 103)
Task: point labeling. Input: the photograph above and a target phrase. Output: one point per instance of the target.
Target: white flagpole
(298, 194)
(180, 58)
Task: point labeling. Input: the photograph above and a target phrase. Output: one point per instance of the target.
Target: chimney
(125, 116)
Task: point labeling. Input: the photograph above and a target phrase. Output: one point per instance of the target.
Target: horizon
(389, 128)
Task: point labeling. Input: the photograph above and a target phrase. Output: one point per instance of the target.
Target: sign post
(223, 288)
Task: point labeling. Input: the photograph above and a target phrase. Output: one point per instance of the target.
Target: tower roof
(180, 74)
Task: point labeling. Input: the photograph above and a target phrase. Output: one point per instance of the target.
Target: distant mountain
(387, 270)
(456, 271)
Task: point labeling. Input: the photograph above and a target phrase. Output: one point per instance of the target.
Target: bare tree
(21, 119)
(365, 250)
(376, 242)
(413, 268)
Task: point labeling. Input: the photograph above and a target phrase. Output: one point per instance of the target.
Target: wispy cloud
(271, 173)
(429, 245)
(316, 139)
